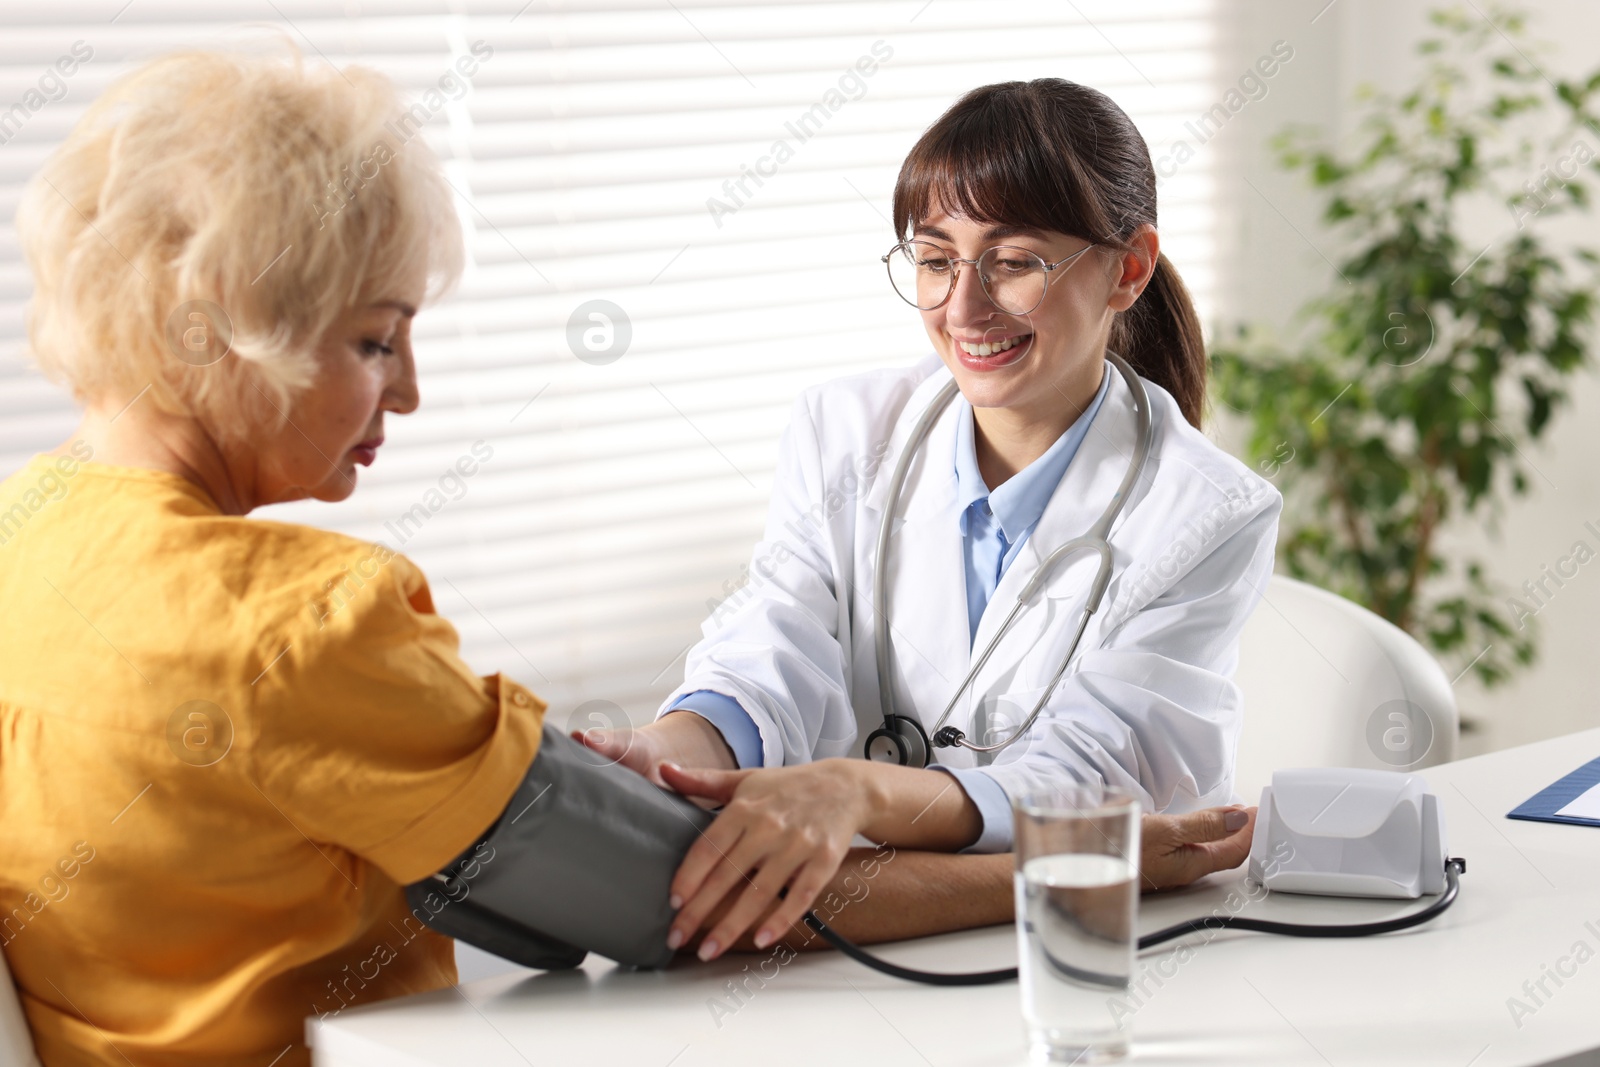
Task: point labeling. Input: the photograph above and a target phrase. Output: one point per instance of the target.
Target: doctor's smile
(987, 355)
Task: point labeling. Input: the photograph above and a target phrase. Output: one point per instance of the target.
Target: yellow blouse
(225, 743)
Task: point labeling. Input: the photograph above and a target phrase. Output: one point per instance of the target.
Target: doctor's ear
(1134, 268)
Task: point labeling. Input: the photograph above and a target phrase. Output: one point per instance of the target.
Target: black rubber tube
(1453, 869)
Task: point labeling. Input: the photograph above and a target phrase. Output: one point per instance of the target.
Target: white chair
(16, 1043)
(1329, 684)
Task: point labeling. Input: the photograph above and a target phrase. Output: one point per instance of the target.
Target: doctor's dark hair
(1054, 155)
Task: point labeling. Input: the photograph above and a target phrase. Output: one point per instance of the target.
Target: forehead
(397, 309)
(956, 228)
(940, 223)
(946, 230)
(392, 287)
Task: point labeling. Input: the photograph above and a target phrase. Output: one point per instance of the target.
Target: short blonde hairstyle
(281, 189)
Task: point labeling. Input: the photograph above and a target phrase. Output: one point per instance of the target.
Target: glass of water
(1077, 885)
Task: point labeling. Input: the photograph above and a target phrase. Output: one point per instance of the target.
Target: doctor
(1027, 219)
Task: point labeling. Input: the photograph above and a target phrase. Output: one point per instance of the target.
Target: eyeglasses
(1014, 279)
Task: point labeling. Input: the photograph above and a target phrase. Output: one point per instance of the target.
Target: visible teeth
(990, 349)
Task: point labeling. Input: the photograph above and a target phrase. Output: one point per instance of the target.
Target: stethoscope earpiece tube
(1453, 869)
(880, 577)
(1095, 540)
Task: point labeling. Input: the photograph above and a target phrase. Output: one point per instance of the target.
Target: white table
(1437, 994)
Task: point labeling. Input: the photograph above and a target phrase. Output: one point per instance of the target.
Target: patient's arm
(885, 894)
(586, 863)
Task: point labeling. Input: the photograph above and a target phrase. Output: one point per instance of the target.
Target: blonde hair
(283, 191)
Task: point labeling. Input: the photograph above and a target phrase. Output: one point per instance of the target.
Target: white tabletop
(1437, 994)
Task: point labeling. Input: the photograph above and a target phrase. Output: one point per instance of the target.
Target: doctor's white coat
(1148, 702)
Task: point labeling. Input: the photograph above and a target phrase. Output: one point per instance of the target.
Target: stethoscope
(902, 739)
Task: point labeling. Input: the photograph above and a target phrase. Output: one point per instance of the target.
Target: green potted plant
(1419, 379)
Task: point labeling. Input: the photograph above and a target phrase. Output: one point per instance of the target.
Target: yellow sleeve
(373, 734)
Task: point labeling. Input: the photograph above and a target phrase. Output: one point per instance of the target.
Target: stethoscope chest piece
(899, 740)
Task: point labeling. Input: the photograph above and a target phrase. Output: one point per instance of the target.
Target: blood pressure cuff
(580, 861)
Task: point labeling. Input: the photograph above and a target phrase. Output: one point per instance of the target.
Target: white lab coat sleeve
(777, 645)
(1154, 709)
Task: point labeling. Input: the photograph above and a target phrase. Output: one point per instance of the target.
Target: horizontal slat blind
(621, 497)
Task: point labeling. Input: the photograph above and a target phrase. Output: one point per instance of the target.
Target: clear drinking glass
(1077, 886)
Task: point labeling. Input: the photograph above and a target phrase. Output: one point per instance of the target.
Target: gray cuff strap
(581, 861)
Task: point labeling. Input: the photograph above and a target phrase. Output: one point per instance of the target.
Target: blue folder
(1543, 805)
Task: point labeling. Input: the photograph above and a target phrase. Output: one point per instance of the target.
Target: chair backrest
(16, 1043)
(1329, 684)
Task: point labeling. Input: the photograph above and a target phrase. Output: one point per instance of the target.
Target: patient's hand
(1176, 849)
(680, 737)
(923, 893)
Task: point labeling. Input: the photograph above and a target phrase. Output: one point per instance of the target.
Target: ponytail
(1160, 338)
(1054, 155)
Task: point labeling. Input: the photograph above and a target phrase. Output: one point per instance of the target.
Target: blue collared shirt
(994, 526)
(995, 523)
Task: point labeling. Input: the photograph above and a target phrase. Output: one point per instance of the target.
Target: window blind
(717, 175)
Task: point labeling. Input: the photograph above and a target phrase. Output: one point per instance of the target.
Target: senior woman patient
(213, 785)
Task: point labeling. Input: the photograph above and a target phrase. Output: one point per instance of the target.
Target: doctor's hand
(785, 829)
(780, 828)
(1174, 850)
(683, 738)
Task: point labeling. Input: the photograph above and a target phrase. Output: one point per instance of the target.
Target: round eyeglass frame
(955, 275)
